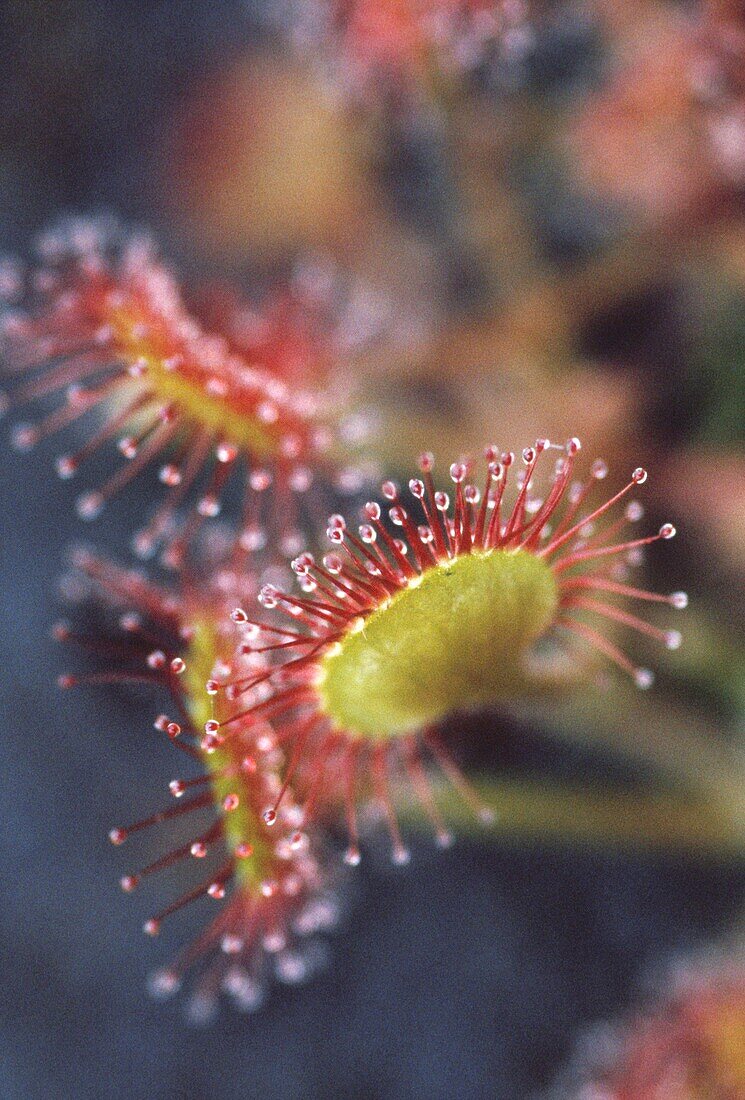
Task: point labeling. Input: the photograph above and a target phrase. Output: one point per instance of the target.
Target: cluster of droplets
(279, 892)
(276, 758)
(104, 326)
(690, 1041)
(369, 47)
(667, 134)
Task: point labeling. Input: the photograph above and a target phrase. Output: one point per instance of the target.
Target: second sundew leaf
(243, 827)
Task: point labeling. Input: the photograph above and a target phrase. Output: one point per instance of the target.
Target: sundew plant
(304, 709)
(371, 388)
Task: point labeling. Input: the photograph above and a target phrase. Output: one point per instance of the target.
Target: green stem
(686, 750)
(536, 810)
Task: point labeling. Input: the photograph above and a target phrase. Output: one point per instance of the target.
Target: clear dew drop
(268, 596)
(89, 505)
(127, 447)
(208, 506)
(274, 941)
(290, 968)
(333, 564)
(23, 437)
(66, 467)
(226, 452)
(143, 545)
(643, 678)
(169, 475)
(201, 1009)
(163, 983)
(246, 993)
(298, 841)
(260, 480)
(290, 542)
(300, 479)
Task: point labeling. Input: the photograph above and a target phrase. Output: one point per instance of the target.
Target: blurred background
(539, 230)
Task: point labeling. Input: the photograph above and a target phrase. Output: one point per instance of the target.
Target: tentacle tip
(24, 438)
(66, 467)
(143, 545)
(163, 983)
(89, 506)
